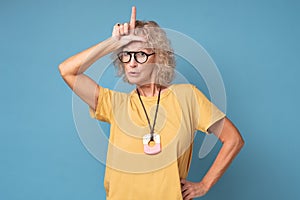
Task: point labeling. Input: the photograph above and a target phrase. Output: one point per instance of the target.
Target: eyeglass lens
(140, 57)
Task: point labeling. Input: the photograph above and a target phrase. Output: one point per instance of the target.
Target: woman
(152, 128)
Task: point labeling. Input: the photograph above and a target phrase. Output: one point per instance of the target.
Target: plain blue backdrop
(255, 44)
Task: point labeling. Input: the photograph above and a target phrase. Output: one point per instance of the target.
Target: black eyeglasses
(139, 56)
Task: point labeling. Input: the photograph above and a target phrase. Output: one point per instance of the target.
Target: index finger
(133, 18)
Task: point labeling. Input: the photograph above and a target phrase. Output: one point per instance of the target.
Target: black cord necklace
(155, 116)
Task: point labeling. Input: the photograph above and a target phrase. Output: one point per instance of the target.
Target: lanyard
(155, 116)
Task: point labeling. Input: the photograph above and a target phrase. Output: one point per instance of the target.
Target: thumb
(126, 39)
(182, 181)
(138, 38)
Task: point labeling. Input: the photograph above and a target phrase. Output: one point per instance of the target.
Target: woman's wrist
(205, 185)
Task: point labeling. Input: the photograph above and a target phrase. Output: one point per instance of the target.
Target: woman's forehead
(136, 46)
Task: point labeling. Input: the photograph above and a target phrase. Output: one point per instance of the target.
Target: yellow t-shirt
(130, 173)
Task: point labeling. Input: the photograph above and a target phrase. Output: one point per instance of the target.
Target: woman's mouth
(133, 73)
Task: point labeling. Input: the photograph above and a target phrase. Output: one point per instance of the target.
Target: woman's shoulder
(182, 87)
(116, 95)
(187, 90)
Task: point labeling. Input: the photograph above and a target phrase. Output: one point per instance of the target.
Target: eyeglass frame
(134, 56)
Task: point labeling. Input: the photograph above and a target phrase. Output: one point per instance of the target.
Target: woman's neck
(149, 90)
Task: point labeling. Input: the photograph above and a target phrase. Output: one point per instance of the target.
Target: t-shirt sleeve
(103, 110)
(207, 113)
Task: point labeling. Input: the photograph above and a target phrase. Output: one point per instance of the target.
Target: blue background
(255, 45)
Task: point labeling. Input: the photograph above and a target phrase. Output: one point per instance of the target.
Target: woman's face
(137, 73)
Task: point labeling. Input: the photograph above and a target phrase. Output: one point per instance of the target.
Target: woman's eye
(141, 54)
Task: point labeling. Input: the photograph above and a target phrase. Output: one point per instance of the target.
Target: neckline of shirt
(163, 94)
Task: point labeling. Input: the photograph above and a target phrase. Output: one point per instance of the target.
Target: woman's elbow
(62, 69)
(68, 68)
(235, 142)
(238, 142)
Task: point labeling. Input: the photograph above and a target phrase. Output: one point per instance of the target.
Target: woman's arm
(72, 70)
(232, 141)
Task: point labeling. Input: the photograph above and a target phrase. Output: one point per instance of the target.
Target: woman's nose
(132, 62)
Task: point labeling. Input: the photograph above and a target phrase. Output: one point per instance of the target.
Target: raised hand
(125, 32)
(132, 18)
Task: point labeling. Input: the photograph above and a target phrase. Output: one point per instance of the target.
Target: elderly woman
(152, 127)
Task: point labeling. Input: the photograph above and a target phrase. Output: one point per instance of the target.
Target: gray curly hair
(156, 39)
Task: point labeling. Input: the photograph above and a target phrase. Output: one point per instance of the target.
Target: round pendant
(149, 148)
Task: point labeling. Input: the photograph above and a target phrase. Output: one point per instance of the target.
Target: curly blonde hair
(156, 39)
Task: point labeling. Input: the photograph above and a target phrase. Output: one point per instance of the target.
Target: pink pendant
(156, 148)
